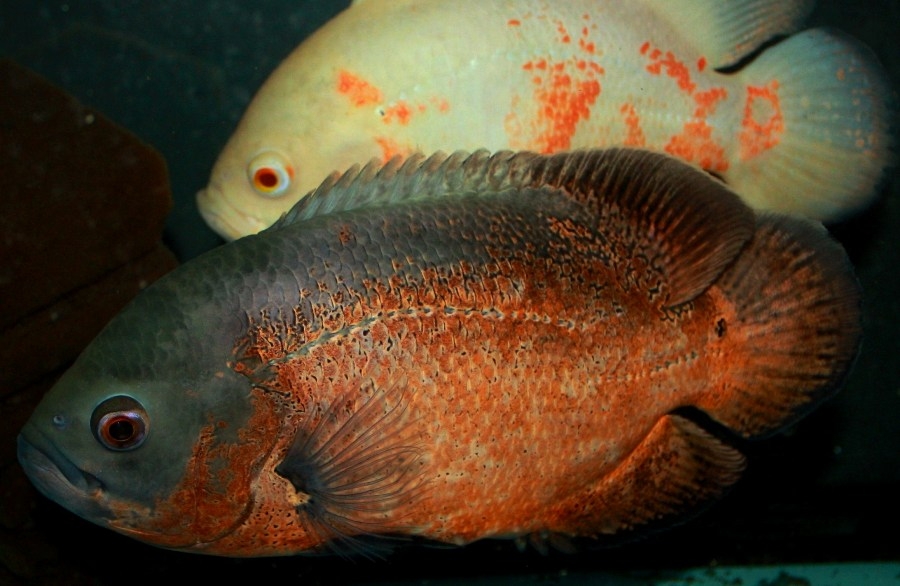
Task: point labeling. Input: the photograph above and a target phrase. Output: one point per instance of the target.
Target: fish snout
(59, 479)
(226, 220)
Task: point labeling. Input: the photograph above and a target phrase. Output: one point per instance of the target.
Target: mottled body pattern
(465, 347)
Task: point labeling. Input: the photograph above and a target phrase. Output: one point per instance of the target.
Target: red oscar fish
(453, 348)
(802, 128)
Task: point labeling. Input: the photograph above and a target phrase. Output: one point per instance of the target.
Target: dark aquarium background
(178, 74)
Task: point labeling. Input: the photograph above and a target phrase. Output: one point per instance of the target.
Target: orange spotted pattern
(566, 85)
(695, 142)
(564, 91)
(763, 124)
(363, 94)
(635, 136)
(358, 91)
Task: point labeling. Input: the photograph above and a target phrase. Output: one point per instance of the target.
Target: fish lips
(57, 478)
(225, 219)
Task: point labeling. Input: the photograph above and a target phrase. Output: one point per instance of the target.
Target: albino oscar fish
(800, 128)
(453, 348)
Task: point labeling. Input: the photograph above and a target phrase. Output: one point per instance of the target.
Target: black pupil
(121, 430)
(119, 423)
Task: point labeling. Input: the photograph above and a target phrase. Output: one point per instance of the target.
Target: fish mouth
(58, 479)
(226, 220)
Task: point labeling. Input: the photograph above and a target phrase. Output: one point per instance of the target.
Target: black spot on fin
(671, 216)
(353, 468)
(798, 326)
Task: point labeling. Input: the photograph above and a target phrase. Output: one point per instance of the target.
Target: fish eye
(270, 173)
(120, 423)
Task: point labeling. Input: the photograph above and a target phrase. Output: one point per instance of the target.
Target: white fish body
(803, 128)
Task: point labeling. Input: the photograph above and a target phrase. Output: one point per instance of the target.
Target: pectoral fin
(354, 468)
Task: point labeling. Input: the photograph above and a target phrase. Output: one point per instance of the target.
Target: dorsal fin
(412, 179)
(725, 32)
(684, 222)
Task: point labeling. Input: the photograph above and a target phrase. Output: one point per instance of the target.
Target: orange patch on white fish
(362, 93)
(563, 93)
(695, 142)
(358, 91)
(390, 148)
(763, 122)
(427, 75)
(635, 136)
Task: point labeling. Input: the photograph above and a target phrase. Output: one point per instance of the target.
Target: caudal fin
(797, 327)
(815, 136)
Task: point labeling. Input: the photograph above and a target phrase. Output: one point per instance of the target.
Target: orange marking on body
(763, 123)
(563, 100)
(708, 100)
(563, 33)
(563, 94)
(391, 148)
(442, 104)
(514, 22)
(399, 112)
(695, 143)
(359, 91)
(635, 136)
(672, 67)
(587, 46)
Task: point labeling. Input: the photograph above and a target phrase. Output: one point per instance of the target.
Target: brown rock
(83, 206)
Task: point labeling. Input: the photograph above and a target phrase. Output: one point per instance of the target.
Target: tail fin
(797, 330)
(816, 131)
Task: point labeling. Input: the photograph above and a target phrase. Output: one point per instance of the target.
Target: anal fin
(676, 470)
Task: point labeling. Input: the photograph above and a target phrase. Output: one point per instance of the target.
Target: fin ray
(797, 304)
(732, 30)
(352, 470)
(684, 224)
(820, 140)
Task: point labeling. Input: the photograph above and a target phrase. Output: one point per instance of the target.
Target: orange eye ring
(270, 173)
(120, 423)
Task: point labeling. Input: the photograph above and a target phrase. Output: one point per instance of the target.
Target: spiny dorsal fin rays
(414, 178)
(687, 224)
(691, 224)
